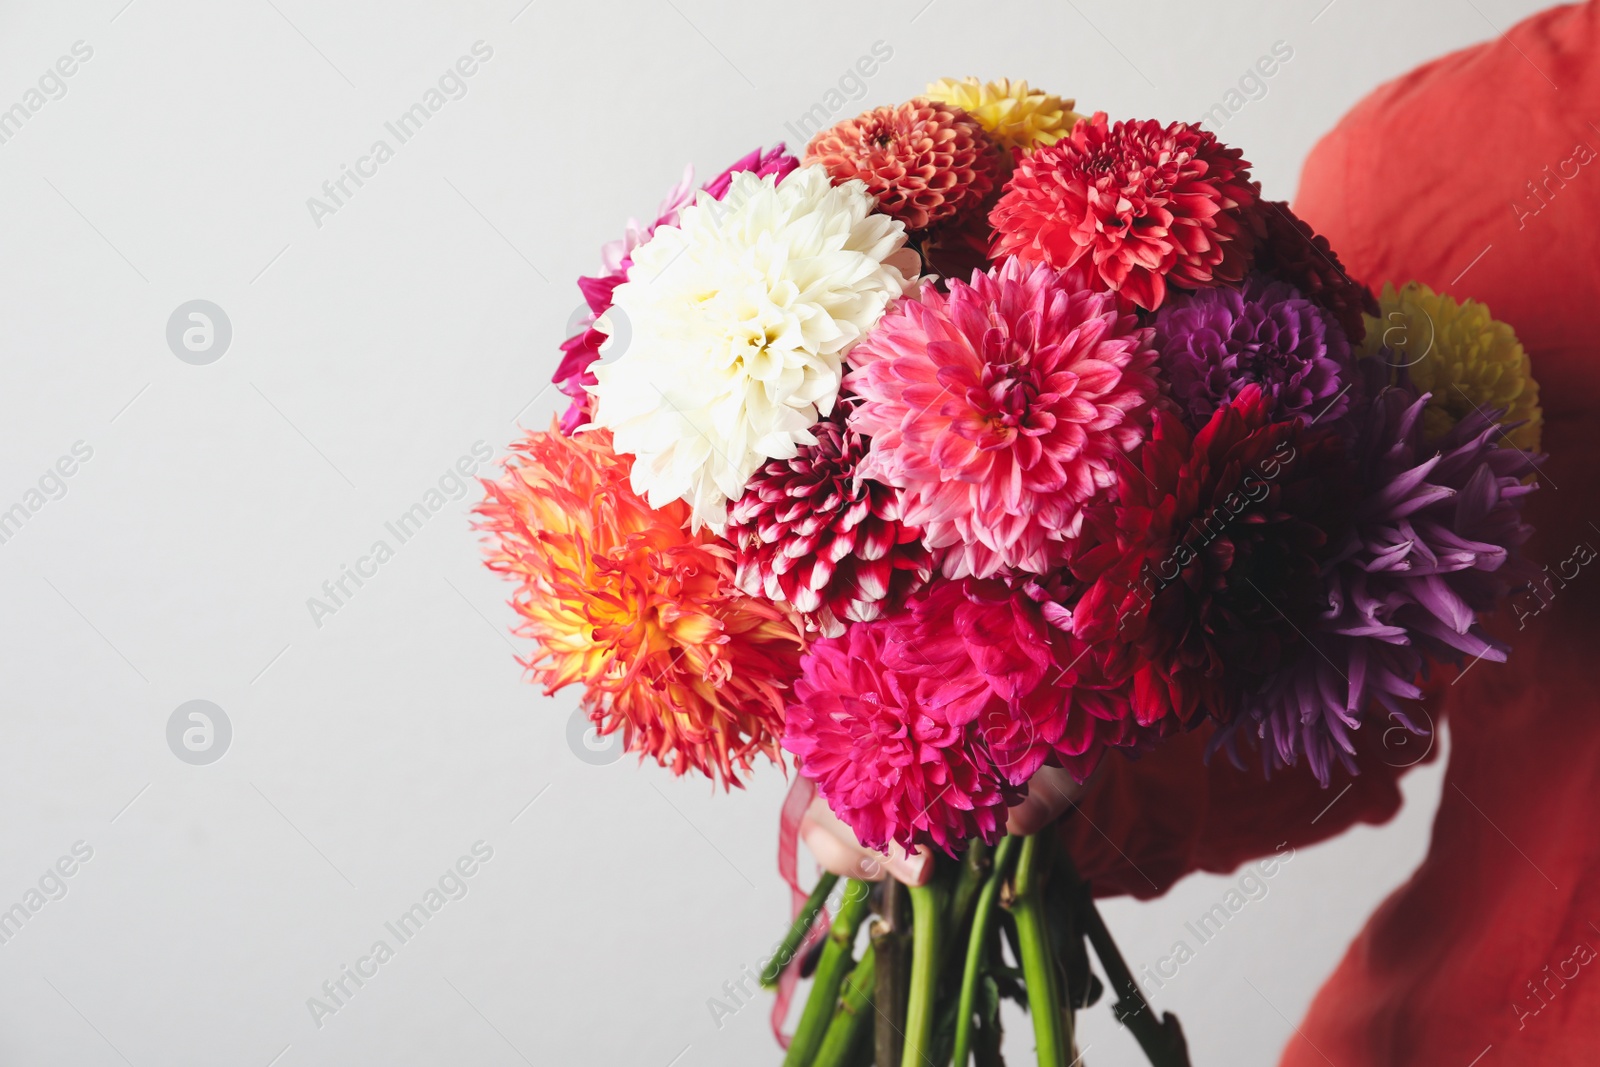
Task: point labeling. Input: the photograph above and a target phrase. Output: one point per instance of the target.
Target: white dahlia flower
(733, 326)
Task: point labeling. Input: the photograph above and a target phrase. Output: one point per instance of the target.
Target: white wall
(368, 355)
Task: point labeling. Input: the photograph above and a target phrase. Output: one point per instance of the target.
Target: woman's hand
(1050, 792)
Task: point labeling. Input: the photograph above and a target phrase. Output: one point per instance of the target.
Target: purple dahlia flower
(1432, 544)
(1214, 342)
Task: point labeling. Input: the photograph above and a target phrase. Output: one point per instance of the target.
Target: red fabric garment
(1492, 948)
(1146, 823)
(1479, 175)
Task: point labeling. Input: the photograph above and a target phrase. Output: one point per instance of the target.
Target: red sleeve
(1145, 823)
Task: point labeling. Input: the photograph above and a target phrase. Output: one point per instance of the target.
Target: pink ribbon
(794, 809)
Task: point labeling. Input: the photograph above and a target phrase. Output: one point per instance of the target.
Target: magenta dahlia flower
(1000, 409)
(812, 531)
(1134, 206)
(1433, 544)
(1215, 342)
(892, 752)
(1046, 705)
(922, 728)
(580, 351)
(760, 162)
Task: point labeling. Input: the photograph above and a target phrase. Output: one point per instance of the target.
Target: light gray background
(368, 355)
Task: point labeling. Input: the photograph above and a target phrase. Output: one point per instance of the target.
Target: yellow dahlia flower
(1462, 355)
(1014, 115)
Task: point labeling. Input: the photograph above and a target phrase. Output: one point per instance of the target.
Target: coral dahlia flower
(1135, 206)
(923, 160)
(623, 600)
(1000, 409)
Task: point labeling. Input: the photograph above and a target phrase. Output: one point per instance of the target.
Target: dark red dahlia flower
(1136, 206)
(813, 532)
(1291, 250)
(1199, 574)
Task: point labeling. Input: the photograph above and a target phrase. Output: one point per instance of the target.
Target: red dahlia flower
(1290, 249)
(1134, 206)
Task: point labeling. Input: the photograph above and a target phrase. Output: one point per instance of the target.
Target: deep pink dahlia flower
(1135, 206)
(1001, 408)
(1046, 705)
(922, 728)
(892, 752)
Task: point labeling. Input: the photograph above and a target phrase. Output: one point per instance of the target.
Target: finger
(845, 859)
(911, 868)
(1050, 792)
(914, 868)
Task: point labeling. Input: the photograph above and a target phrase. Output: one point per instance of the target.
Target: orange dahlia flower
(625, 601)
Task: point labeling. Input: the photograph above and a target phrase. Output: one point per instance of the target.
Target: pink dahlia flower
(893, 752)
(580, 351)
(1134, 206)
(1000, 409)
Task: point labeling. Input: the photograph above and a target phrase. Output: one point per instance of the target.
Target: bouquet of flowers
(986, 436)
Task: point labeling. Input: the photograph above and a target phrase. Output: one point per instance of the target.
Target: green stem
(1051, 1031)
(927, 932)
(831, 970)
(798, 930)
(854, 1011)
(974, 872)
(977, 943)
(1161, 1039)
